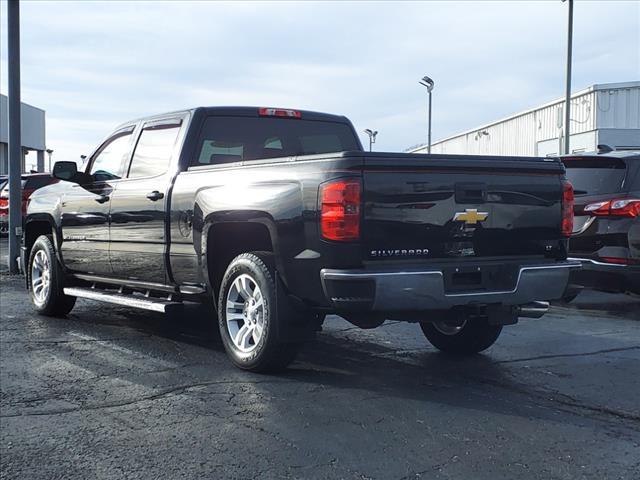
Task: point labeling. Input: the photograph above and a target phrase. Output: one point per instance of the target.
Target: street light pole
(427, 82)
(49, 152)
(567, 93)
(372, 137)
(15, 148)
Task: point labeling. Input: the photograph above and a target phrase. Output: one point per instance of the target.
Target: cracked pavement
(114, 393)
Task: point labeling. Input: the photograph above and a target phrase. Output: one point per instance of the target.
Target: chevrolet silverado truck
(277, 217)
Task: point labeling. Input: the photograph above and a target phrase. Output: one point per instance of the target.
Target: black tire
(267, 354)
(475, 336)
(53, 302)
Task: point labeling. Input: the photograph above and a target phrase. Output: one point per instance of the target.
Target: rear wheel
(465, 337)
(46, 280)
(246, 315)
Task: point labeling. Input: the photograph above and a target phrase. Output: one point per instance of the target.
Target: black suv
(606, 229)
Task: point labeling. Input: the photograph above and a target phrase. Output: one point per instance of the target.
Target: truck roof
(241, 112)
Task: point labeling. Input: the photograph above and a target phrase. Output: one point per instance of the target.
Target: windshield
(595, 175)
(234, 139)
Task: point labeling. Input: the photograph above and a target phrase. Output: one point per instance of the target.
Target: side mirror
(65, 170)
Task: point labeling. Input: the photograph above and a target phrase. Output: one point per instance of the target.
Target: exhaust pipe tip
(533, 309)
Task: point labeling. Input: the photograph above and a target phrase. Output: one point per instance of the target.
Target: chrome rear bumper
(387, 290)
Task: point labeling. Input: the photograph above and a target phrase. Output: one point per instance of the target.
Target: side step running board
(128, 300)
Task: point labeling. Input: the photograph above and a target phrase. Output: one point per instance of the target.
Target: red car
(30, 183)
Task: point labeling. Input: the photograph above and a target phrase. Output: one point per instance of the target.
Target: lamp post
(15, 149)
(372, 137)
(567, 93)
(49, 152)
(427, 82)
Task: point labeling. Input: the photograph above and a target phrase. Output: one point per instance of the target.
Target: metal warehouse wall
(619, 107)
(539, 131)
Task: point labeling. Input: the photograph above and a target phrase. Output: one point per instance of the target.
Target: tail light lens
(340, 210)
(619, 260)
(567, 208)
(622, 207)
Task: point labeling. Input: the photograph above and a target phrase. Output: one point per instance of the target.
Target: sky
(92, 65)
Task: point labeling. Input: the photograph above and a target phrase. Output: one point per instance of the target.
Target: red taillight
(278, 112)
(567, 208)
(619, 260)
(622, 207)
(340, 210)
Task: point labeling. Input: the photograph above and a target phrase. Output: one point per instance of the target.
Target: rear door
(457, 207)
(138, 207)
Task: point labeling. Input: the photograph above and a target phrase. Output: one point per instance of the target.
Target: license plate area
(480, 278)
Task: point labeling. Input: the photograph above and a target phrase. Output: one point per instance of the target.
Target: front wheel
(246, 315)
(469, 336)
(46, 280)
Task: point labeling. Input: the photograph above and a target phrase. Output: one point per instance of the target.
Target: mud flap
(292, 325)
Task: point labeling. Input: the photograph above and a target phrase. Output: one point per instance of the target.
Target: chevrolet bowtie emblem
(470, 216)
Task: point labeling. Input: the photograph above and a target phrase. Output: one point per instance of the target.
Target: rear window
(595, 175)
(235, 139)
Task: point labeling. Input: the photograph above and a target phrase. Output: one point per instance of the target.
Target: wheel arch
(224, 239)
(40, 224)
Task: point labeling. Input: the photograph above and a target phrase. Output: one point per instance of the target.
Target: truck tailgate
(444, 207)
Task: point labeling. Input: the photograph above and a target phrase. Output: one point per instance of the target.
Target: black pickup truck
(278, 217)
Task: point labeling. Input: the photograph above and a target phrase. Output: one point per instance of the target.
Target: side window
(107, 164)
(153, 151)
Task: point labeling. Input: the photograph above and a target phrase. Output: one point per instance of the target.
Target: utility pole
(567, 94)
(427, 82)
(15, 143)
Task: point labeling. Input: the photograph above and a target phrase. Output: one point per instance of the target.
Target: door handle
(155, 195)
(102, 199)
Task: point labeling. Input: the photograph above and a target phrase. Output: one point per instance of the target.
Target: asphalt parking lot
(113, 393)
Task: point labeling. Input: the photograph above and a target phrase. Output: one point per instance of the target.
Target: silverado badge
(470, 216)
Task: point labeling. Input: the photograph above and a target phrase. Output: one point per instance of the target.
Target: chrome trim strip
(586, 225)
(595, 262)
(134, 284)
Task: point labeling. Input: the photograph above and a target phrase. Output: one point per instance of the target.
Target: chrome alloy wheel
(40, 277)
(446, 328)
(245, 313)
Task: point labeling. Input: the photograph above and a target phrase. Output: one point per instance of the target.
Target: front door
(85, 207)
(138, 207)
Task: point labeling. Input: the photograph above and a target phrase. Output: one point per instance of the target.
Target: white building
(602, 114)
(33, 135)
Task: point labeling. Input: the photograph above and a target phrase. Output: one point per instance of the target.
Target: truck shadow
(333, 362)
